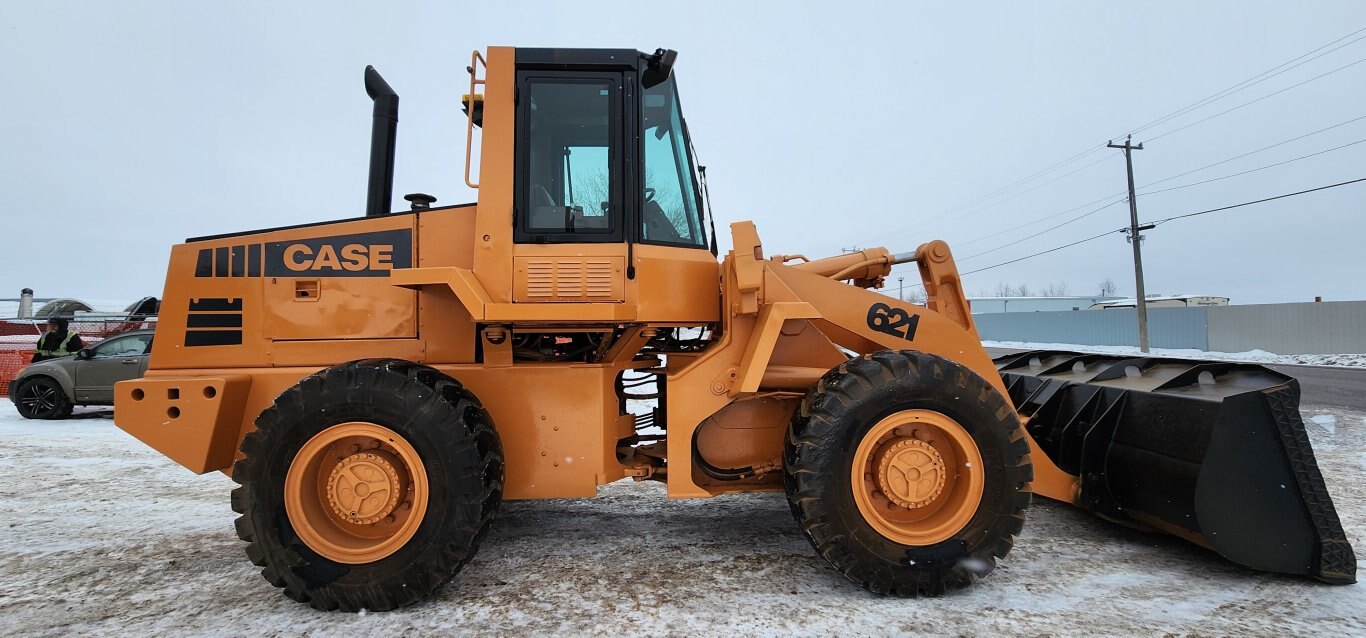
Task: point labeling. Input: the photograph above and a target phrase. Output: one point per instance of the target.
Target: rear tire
(899, 531)
(408, 430)
(42, 398)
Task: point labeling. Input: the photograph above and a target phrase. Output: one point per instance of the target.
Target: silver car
(50, 389)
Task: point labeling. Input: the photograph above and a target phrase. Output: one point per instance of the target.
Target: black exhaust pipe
(382, 135)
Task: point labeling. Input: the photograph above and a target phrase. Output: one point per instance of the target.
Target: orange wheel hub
(356, 492)
(917, 477)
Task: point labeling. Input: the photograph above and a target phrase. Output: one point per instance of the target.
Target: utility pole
(899, 288)
(1136, 239)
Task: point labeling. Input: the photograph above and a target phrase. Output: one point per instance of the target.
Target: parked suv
(49, 389)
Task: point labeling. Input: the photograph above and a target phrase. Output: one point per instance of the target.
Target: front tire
(368, 485)
(908, 472)
(42, 398)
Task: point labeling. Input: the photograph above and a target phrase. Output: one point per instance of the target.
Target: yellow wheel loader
(378, 385)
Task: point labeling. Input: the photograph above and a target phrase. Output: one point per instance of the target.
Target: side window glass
(110, 347)
(570, 152)
(669, 212)
(133, 346)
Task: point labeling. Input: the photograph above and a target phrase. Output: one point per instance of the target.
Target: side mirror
(658, 67)
(85, 353)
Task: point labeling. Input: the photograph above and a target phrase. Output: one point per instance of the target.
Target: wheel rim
(356, 492)
(40, 398)
(917, 477)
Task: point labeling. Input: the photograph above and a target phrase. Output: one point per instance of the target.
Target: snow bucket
(1215, 453)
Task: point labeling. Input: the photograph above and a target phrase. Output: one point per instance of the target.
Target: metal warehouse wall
(1299, 328)
(1292, 328)
(1167, 327)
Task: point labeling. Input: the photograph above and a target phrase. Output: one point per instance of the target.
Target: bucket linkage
(1215, 453)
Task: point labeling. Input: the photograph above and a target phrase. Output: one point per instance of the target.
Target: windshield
(670, 213)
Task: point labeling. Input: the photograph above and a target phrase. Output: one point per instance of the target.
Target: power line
(1044, 252)
(1024, 192)
(1166, 179)
(1259, 201)
(1250, 103)
(902, 231)
(1046, 230)
(941, 217)
(1022, 180)
(1236, 88)
(1163, 221)
(1264, 148)
(1041, 219)
(1252, 81)
(1254, 170)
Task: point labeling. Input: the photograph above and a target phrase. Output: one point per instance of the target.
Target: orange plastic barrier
(19, 336)
(12, 362)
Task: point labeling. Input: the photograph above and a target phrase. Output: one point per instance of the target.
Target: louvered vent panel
(597, 278)
(569, 279)
(540, 279)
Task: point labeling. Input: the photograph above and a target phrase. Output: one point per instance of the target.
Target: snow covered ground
(1251, 356)
(102, 535)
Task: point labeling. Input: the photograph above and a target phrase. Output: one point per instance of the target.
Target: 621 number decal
(893, 321)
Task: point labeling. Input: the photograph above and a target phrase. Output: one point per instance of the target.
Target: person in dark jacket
(57, 341)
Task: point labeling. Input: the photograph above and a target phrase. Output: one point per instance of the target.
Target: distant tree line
(1106, 288)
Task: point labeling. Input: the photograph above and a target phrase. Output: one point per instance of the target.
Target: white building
(986, 305)
(1166, 301)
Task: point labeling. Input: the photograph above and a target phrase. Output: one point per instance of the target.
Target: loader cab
(602, 153)
(605, 197)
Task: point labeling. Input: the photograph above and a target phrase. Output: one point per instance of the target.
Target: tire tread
(356, 383)
(822, 424)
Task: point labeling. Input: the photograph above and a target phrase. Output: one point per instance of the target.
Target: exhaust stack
(382, 136)
(26, 303)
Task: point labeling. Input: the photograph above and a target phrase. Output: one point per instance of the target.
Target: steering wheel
(657, 224)
(540, 196)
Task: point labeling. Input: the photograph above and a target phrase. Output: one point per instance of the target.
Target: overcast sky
(127, 127)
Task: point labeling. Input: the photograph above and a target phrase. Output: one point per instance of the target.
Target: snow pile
(1327, 422)
(103, 535)
(1251, 356)
(1348, 360)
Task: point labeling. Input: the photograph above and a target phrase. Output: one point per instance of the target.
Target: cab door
(571, 186)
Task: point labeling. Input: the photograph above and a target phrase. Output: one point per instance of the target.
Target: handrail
(475, 60)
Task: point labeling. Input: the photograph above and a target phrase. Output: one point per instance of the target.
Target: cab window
(669, 210)
(569, 183)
